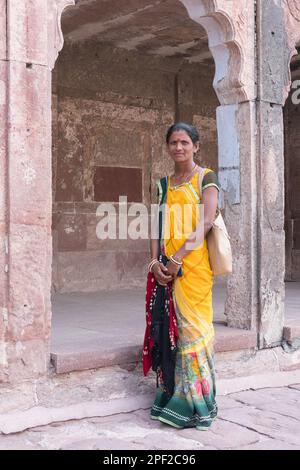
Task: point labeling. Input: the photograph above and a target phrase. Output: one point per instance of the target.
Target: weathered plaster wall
(111, 108)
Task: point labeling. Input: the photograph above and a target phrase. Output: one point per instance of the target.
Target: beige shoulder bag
(218, 241)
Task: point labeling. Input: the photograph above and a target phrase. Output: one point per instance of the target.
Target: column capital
(55, 35)
(230, 26)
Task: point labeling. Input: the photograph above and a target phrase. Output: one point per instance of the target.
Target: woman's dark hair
(183, 126)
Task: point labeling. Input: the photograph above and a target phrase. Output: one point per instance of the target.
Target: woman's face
(181, 147)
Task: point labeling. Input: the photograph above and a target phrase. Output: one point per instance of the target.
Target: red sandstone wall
(111, 109)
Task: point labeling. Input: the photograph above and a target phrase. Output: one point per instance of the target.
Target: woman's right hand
(161, 275)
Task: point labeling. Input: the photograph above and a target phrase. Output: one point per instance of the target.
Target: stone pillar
(25, 176)
(237, 175)
(3, 174)
(276, 23)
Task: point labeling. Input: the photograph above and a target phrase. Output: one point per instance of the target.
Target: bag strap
(163, 189)
(200, 179)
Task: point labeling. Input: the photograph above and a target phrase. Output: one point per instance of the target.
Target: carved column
(29, 42)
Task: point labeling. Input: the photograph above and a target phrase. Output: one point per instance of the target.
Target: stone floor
(107, 328)
(259, 418)
(96, 329)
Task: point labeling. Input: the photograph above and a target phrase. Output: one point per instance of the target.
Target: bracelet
(152, 263)
(179, 263)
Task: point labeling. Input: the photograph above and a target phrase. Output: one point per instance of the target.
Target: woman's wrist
(176, 260)
(152, 263)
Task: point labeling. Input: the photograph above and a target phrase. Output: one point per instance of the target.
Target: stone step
(291, 330)
(94, 353)
(105, 393)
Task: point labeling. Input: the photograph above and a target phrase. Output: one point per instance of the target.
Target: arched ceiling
(156, 27)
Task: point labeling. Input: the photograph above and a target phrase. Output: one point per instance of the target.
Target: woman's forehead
(180, 134)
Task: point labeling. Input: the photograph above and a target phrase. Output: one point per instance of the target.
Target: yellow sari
(193, 402)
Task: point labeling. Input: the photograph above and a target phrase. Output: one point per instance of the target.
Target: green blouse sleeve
(210, 179)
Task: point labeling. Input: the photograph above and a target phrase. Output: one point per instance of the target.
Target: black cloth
(163, 356)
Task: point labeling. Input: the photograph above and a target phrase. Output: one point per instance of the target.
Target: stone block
(116, 146)
(60, 208)
(92, 356)
(20, 396)
(241, 303)
(3, 261)
(29, 136)
(40, 416)
(270, 444)
(94, 242)
(101, 443)
(86, 271)
(230, 182)
(272, 166)
(112, 182)
(3, 138)
(273, 50)
(268, 423)
(229, 147)
(277, 400)
(262, 379)
(11, 443)
(100, 270)
(29, 282)
(27, 359)
(231, 364)
(72, 232)
(231, 339)
(291, 330)
(271, 224)
(28, 32)
(224, 434)
(288, 361)
(3, 37)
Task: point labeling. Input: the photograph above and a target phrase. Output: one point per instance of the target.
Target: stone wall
(111, 109)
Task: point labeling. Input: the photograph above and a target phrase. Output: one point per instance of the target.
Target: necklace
(189, 175)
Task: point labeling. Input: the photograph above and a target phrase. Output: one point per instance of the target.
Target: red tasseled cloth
(173, 330)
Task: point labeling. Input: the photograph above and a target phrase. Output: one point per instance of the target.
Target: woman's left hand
(172, 269)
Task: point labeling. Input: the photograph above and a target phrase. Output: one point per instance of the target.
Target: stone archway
(229, 25)
(230, 28)
(28, 51)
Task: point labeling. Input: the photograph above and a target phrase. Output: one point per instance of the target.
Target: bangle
(179, 263)
(152, 263)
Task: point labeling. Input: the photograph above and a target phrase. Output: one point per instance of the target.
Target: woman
(179, 334)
